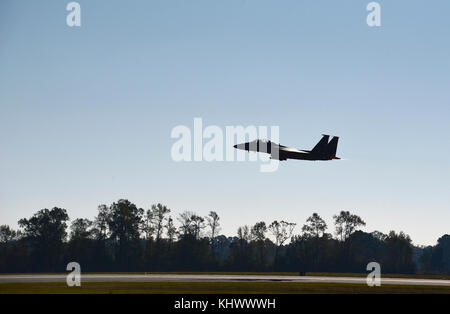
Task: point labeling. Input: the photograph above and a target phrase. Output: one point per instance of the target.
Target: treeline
(123, 237)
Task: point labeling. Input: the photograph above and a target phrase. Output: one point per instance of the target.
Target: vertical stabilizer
(332, 147)
(321, 145)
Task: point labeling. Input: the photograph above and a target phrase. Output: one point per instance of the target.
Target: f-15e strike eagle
(323, 150)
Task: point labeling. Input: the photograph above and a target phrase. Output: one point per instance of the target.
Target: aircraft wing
(293, 150)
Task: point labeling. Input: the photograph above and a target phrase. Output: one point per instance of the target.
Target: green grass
(211, 287)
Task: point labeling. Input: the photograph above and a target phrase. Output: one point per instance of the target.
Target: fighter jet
(323, 150)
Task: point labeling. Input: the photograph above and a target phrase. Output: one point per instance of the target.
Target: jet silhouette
(323, 150)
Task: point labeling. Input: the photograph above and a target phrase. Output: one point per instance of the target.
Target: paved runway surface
(218, 278)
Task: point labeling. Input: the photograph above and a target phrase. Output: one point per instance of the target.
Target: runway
(217, 278)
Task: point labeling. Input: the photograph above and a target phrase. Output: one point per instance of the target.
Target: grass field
(211, 287)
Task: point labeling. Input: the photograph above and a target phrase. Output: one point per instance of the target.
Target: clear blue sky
(86, 113)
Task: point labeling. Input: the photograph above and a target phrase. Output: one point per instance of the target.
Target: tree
(147, 224)
(315, 226)
(86, 246)
(258, 233)
(7, 234)
(244, 233)
(124, 222)
(185, 219)
(101, 222)
(46, 232)
(442, 258)
(360, 249)
(213, 223)
(125, 219)
(281, 231)
(81, 229)
(346, 224)
(170, 229)
(114, 242)
(379, 235)
(241, 257)
(159, 212)
(259, 230)
(314, 237)
(191, 224)
(399, 253)
(198, 223)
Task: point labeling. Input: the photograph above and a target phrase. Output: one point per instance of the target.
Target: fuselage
(281, 152)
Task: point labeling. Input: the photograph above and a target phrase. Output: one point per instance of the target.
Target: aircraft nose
(235, 146)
